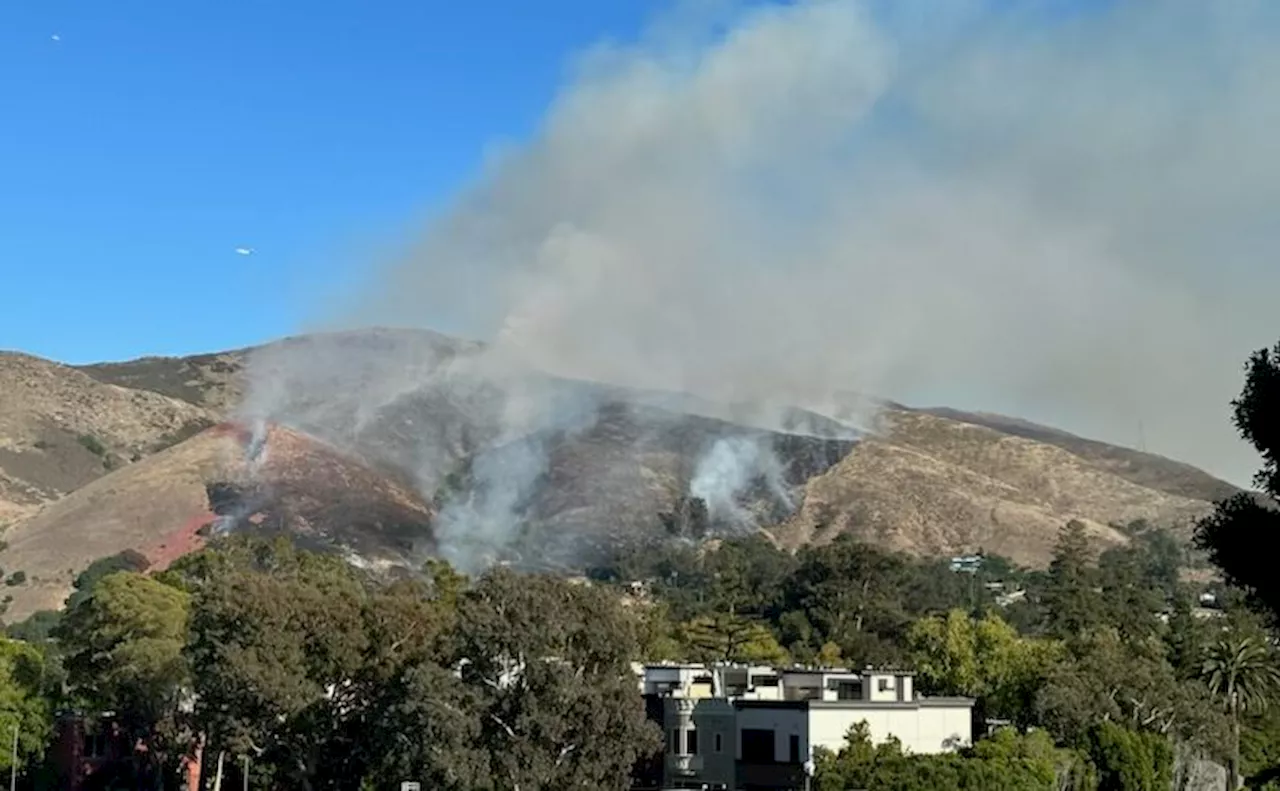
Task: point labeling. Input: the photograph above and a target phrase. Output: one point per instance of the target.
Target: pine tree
(1071, 602)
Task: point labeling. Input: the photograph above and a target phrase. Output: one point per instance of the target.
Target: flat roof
(919, 703)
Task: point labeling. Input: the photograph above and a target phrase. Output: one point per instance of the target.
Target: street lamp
(13, 766)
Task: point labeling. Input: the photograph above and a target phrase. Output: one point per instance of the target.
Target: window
(794, 748)
(719, 745)
(757, 746)
(691, 741)
(849, 690)
(675, 741)
(884, 684)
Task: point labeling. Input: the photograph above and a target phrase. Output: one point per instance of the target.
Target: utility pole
(13, 767)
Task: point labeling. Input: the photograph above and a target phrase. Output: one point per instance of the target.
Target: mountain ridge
(931, 480)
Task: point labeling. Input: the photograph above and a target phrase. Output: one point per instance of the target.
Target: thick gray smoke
(1061, 215)
(1066, 215)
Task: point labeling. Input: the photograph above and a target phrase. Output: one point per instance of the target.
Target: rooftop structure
(755, 727)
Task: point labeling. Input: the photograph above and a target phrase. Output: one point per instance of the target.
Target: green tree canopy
(25, 702)
(1071, 601)
(724, 637)
(1129, 760)
(548, 664)
(277, 646)
(985, 658)
(1106, 678)
(123, 653)
(1241, 524)
(1006, 762)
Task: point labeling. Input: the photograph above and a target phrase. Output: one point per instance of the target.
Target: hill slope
(167, 503)
(61, 429)
(389, 457)
(935, 485)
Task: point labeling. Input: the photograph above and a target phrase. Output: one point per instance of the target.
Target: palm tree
(1242, 673)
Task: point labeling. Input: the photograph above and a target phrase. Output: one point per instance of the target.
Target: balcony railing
(685, 764)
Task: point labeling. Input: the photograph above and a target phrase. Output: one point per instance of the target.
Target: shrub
(92, 444)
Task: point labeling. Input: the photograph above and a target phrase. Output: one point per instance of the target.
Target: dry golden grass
(320, 492)
(61, 429)
(932, 485)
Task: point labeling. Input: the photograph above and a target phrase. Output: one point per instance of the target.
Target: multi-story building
(754, 728)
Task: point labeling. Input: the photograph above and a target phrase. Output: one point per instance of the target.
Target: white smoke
(729, 468)
(481, 520)
(1060, 214)
(1065, 215)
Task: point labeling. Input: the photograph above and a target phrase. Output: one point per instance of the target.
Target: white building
(754, 727)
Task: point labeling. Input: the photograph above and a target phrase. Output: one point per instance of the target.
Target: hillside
(61, 429)
(168, 503)
(211, 381)
(401, 442)
(934, 485)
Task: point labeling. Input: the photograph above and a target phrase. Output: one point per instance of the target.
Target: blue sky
(143, 142)
(148, 141)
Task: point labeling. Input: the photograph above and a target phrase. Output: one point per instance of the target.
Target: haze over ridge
(1057, 217)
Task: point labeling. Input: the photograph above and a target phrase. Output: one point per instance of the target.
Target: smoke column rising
(725, 472)
(1060, 215)
(1063, 217)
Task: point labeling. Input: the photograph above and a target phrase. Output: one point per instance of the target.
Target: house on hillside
(755, 728)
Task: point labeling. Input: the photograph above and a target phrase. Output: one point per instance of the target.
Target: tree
(986, 659)
(123, 653)
(1130, 682)
(1007, 761)
(278, 643)
(1241, 524)
(1070, 600)
(548, 665)
(1129, 597)
(36, 628)
(747, 576)
(852, 595)
(25, 702)
(1186, 638)
(326, 677)
(1128, 760)
(731, 638)
(1241, 673)
(659, 638)
(83, 584)
(415, 717)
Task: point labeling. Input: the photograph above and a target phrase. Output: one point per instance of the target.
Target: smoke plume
(726, 472)
(1058, 212)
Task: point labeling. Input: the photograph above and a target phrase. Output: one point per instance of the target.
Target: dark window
(765, 681)
(794, 744)
(691, 741)
(849, 690)
(719, 746)
(885, 684)
(757, 746)
(675, 741)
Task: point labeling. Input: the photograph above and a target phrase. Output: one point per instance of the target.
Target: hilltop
(139, 455)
